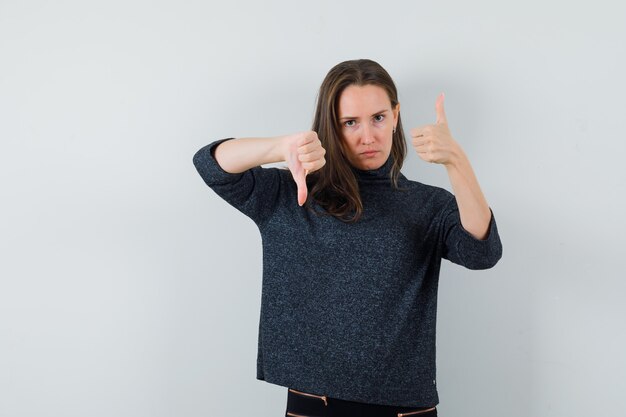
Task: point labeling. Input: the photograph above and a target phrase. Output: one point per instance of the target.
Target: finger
(314, 165)
(441, 114)
(312, 156)
(426, 148)
(302, 190)
(423, 150)
(417, 132)
(307, 137)
(427, 156)
(423, 140)
(311, 146)
(419, 142)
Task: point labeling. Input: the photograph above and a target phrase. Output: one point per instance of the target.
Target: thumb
(297, 172)
(441, 114)
(300, 179)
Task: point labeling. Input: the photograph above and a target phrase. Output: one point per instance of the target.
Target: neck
(380, 174)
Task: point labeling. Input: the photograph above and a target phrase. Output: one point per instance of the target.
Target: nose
(367, 136)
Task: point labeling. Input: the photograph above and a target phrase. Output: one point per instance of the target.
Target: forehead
(367, 99)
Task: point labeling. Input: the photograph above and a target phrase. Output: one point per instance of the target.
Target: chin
(373, 163)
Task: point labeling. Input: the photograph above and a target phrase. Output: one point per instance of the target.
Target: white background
(128, 288)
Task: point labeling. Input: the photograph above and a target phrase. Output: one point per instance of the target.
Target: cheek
(349, 139)
(346, 144)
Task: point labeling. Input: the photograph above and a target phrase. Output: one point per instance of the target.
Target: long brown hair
(335, 186)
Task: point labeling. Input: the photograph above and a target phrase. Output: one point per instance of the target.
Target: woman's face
(367, 121)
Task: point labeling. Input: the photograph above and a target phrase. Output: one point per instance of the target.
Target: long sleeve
(463, 248)
(349, 309)
(253, 192)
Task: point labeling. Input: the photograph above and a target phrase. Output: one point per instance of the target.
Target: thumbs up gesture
(304, 154)
(434, 143)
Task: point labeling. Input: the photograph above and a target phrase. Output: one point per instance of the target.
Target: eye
(349, 123)
(379, 117)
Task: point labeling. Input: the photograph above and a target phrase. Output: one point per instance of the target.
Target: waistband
(305, 404)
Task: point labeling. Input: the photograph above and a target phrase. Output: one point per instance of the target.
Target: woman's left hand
(434, 143)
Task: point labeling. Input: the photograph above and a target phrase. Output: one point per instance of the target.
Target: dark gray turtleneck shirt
(349, 310)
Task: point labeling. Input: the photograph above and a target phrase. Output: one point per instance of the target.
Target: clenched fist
(434, 143)
(303, 153)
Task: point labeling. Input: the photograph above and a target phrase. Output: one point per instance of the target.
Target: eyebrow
(356, 118)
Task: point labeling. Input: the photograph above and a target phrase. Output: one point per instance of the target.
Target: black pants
(304, 404)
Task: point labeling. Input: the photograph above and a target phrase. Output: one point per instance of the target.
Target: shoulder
(423, 191)
(424, 202)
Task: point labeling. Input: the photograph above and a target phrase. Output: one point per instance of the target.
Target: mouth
(369, 153)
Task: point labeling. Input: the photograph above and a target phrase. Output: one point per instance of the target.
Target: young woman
(352, 248)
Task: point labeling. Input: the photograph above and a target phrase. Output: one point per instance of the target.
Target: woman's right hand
(304, 154)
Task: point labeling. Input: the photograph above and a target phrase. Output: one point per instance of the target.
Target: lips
(369, 153)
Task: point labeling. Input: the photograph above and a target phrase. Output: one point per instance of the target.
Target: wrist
(279, 148)
(457, 159)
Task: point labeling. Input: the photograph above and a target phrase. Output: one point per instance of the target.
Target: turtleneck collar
(380, 174)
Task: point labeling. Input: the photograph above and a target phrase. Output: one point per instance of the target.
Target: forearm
(239, 155)
(473, 207)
